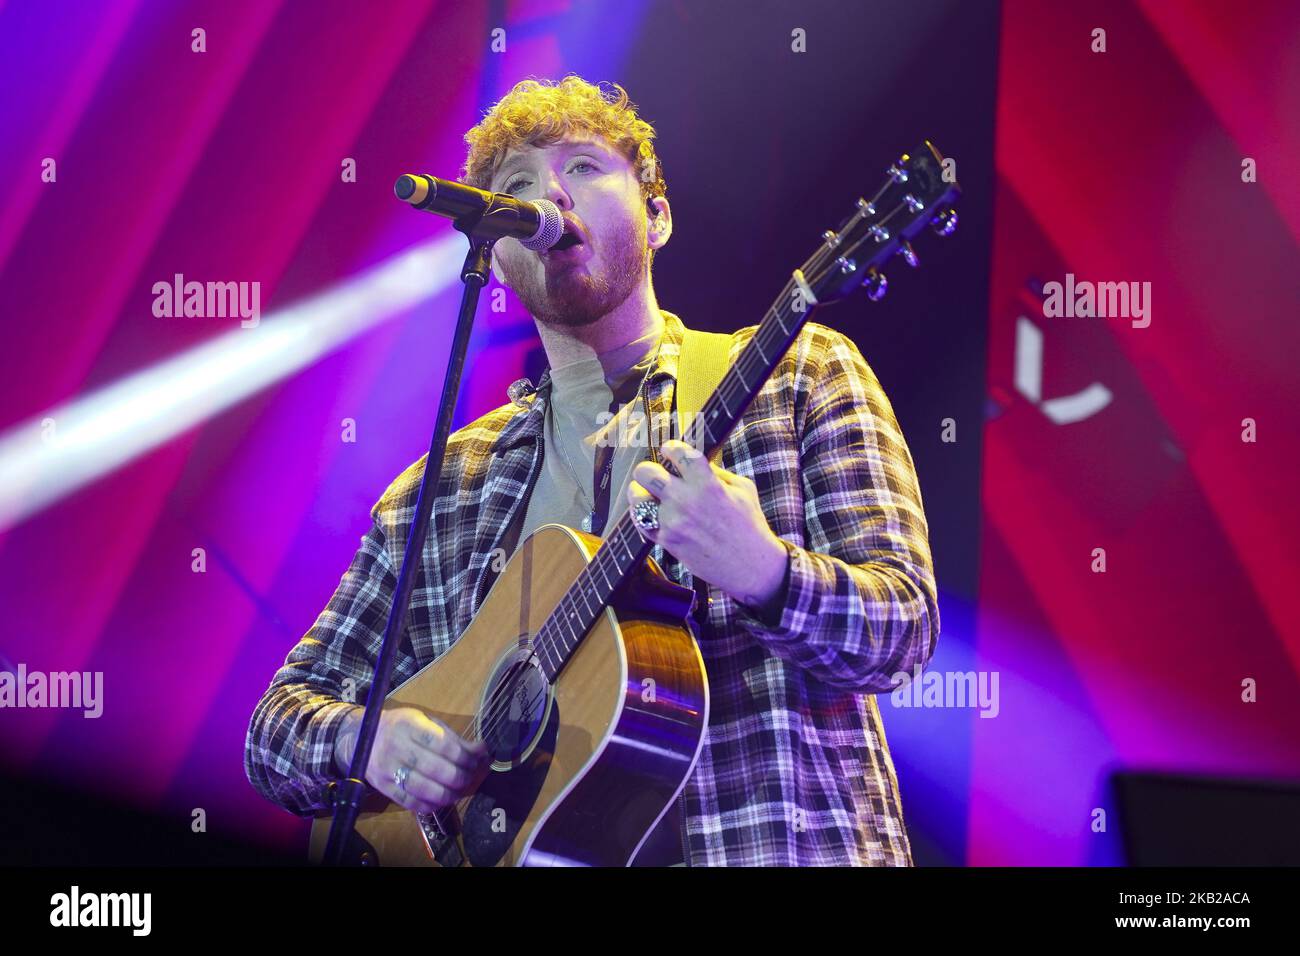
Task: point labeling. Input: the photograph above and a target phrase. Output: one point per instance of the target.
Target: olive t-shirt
(591, 402)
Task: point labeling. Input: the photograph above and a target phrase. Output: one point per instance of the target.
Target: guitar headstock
(914, 195)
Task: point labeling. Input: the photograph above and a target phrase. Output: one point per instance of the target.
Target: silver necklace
(609, 467)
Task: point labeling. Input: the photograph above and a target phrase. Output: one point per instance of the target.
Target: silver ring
(646, 515)
(399, 777)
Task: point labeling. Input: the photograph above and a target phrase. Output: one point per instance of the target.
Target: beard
(572, 297)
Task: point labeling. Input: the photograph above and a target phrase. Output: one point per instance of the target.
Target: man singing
(810, 535)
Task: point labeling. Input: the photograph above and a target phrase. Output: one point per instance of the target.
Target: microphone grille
(549, 231)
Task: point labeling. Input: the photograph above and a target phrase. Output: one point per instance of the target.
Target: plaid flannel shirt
(795, 768)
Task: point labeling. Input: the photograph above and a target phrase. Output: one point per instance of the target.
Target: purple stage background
(129, 158)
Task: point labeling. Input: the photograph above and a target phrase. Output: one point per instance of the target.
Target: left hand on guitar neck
(711, 521)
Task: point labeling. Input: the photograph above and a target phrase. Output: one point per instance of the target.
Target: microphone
(537, 225)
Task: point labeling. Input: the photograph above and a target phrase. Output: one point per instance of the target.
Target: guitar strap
(701, 366)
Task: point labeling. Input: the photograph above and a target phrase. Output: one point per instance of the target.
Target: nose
(556, 192)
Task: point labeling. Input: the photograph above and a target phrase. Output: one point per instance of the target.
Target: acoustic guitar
(580, 670)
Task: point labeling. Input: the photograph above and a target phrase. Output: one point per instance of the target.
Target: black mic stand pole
(347, 794)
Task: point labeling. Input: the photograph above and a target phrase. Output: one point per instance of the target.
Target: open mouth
(571, 237)
(567, 241)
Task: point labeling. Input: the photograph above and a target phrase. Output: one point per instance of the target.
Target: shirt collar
(528, 422)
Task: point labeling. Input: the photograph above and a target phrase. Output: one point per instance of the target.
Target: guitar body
(583, 767)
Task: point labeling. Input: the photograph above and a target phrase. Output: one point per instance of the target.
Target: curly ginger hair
(542, 112)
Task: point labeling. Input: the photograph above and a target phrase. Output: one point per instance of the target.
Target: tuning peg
(945, 224)
(909, 254)
(876, 284)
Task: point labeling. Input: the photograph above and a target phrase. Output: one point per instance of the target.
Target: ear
(659, 225)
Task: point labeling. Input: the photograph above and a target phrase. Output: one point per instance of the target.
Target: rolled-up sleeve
(289, 749)
(859, 604)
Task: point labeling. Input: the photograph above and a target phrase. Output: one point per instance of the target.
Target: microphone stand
(347, 794)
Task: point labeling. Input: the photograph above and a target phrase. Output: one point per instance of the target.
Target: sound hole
(513, 712)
